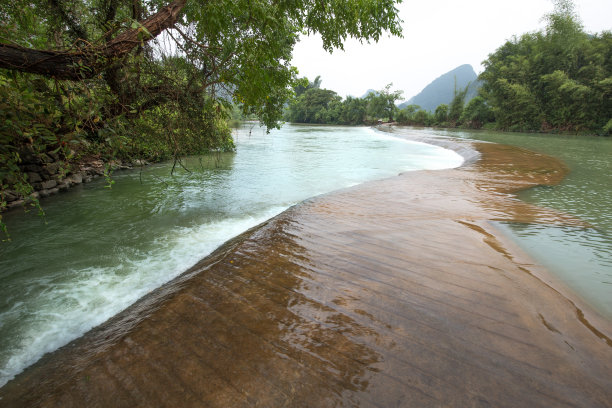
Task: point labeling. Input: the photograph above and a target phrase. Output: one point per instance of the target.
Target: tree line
(559, 78)
(313, 104)
(556, 79)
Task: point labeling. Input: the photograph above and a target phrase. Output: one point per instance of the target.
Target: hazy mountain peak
(441, 90)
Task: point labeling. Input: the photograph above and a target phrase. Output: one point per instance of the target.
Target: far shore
(397, 292)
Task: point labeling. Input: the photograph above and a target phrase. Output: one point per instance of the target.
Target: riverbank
(391, 293)
(48, 174)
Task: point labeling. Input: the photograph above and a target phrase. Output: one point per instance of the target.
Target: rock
(86, 179)
(9, 179)
(49, 184)
(34, 195)
(28, 157)
(34, 168)
(43, 193)
(48, 192)
(63, 186)
(16, 203)
(52, 168)
(34, 177)
(76, 178)
(10, 196)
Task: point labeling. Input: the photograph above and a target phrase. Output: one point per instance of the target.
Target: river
(98, 250)
(580, 257)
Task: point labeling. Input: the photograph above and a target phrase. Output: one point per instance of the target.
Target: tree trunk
(90, 60)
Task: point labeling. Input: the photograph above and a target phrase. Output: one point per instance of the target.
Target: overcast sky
(439, 35)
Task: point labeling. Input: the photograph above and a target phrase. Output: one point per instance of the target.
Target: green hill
(441, 90)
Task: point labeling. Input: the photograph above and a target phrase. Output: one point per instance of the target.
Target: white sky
(439, 35)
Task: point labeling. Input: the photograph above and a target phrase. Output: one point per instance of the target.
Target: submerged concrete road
(395, 293)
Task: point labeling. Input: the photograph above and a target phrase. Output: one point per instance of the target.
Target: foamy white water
(102, 250)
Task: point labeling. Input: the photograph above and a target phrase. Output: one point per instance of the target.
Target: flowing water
(98, 250)
(581, 257)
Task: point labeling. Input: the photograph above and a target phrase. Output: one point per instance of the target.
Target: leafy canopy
(558, 78)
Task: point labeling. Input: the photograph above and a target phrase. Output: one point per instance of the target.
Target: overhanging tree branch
(90, 59)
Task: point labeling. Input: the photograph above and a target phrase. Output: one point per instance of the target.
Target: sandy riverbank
(392, 293)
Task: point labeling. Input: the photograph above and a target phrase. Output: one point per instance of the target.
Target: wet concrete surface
(394, 293)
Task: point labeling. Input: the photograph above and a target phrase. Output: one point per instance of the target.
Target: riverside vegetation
(130, 80)
(557, 79)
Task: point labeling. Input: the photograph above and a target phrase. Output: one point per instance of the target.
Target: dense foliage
(317, 105)
(556, 79)
(146, 78)
(314, 104)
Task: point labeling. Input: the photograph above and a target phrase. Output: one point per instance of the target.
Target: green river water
(581, 257)
(102, 249)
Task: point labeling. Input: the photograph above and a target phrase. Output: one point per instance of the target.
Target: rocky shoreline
(49, 174)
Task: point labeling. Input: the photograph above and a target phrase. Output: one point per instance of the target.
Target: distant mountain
(442, 89)
(369, 91)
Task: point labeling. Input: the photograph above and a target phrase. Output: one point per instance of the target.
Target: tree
(557, 78)
(381, 104)
(414, 115)
(406, 114)
(238, 48)
(303, 84)
(441, 114)
(315, 105)
(476, 113)
(353, 111)
(456, 106)
(422, 118)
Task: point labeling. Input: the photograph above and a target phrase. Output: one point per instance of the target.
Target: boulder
(52, 168)
(43, 193)
(10, 196)
(49, 184)
(48, 192)
(76, 178)
(16, 203)
(34, 168)
(34, 177)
